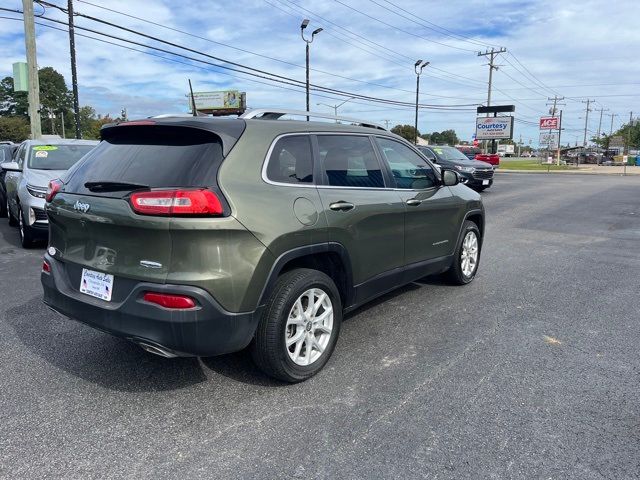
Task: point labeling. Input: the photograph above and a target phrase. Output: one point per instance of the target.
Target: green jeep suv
(201, 236)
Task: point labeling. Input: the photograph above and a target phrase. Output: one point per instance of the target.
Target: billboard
(224, 100)
(494, 128)
(549, 139)
(549, 123)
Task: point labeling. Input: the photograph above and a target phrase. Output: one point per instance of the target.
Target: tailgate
(108, 237)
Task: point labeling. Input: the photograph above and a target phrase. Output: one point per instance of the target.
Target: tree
(406, 131)
(15, 129)
(55, 99)
(446, 137)
(12, 103)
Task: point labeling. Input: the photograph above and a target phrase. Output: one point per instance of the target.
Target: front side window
(291, 160)
(409, 169)
(350, 161)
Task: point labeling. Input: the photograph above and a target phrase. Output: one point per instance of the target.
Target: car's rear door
(363, 213)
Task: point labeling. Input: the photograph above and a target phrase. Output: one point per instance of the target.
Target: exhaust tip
(157, 350)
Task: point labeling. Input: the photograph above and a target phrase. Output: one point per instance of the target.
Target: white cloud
(564, 44)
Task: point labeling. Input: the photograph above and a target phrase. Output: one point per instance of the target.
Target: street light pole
(304, 25)
(418, 66)
(335, 107)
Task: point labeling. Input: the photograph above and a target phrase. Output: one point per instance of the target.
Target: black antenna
(193, 100)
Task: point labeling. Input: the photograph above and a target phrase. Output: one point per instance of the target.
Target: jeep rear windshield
(154, 156)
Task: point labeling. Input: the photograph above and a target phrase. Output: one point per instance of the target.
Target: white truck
(506, 150)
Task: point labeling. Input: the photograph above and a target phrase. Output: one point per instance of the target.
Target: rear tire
(12, 220)
(467, 256)
(299, 327)
(3, 208)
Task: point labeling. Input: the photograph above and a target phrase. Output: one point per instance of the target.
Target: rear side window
(350, 161)
(154, 156)
(291, 160)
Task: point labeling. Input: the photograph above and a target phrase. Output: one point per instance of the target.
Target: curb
(567, 172)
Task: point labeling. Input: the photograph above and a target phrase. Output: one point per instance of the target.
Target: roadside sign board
(20, 77)
(549, 139)
(224, 100)
(494, 128)
(549, 123)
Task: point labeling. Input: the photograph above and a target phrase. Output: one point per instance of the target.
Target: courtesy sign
(494, 128)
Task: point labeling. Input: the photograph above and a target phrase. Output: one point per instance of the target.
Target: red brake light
(46, 268)
(170, 301)
(53, 188)
(177, 202)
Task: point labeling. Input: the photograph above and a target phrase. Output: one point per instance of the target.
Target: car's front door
(12, 180)
(430, 209)
(363, 213)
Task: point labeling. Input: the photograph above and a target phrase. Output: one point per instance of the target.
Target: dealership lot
(530, 371)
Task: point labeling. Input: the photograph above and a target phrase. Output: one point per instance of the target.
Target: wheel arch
(330, 258)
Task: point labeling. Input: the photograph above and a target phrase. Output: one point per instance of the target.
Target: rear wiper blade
(109, 186)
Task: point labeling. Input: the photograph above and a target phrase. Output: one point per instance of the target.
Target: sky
(580, 50)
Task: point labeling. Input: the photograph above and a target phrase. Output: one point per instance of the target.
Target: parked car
(492, 159)
(477, 175)
(469, 151)
(7, 149)
(34, 164)
(201, 236)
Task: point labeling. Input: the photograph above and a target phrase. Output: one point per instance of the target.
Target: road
(531, 371)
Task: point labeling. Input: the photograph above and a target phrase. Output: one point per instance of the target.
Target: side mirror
(449, 178)
(10, 166)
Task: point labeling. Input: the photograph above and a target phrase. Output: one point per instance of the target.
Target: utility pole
(492, 66)
(629, 132)
(586, 124)
(74, 73)
(386, 123)
(552, 111)
(62, 122)
(32, 69)
(602, 109)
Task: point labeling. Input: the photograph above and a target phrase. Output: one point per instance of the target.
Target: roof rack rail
(273, 114)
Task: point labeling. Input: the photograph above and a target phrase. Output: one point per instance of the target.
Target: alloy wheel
(469, 255)
(309, 326)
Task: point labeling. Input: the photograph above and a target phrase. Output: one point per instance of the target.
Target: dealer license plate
(96, 284)
(485, 182)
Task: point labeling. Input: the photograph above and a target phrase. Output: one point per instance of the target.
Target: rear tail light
(53, 188)
(46, 268)
(169, 301)
(177, 202)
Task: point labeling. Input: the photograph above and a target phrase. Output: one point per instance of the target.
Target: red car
(491, 158)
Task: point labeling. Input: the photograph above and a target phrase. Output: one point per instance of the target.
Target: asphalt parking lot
(532, 371)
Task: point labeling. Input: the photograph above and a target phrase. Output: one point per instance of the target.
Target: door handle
(341, 206)
(413, 202)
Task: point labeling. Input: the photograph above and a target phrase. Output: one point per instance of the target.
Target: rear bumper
(205, 330)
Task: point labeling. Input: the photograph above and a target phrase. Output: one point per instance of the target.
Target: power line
(407, 32)
(253, 71)
(445, 31)
(283, 80)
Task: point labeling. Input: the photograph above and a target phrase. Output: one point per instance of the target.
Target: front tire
(12, 220)
(467, 256)
(299, 327)
(27, 238)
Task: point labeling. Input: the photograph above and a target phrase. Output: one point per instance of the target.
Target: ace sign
(549, 123)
